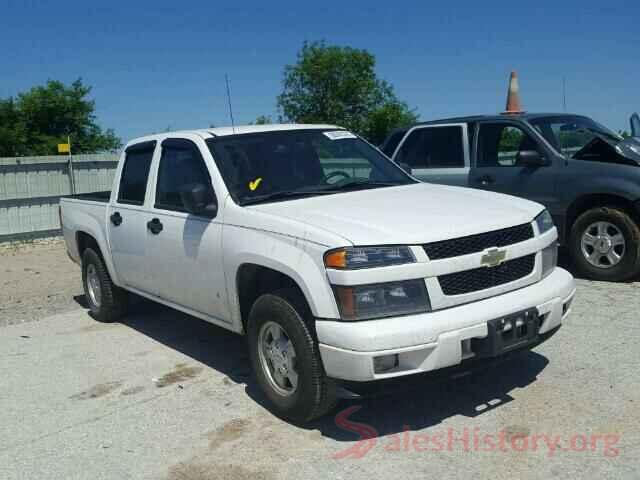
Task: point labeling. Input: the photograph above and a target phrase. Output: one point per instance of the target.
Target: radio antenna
(233, 126)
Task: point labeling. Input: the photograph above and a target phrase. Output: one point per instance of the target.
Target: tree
(262, 120)
(38, 120)
(339, 85)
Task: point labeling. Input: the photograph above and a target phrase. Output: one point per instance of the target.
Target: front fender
(288, 255)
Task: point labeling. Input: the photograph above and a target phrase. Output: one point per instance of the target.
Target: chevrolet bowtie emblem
(493, 257)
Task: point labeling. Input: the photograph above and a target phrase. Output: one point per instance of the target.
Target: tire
(110, 303)
(314, 394)
(618, 225)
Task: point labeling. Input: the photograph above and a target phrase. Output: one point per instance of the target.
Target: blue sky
(160, 64)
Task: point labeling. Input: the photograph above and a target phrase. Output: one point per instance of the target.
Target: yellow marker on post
(255, 183)
(64, 148)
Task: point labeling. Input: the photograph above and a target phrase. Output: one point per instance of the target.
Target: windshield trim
(210, 141)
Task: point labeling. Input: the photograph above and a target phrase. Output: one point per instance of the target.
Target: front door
(499, 168)
(436, 153)
(185, 250)
(127, 218)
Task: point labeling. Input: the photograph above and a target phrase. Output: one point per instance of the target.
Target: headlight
(549, 259)
(364, 302)
(367, 257)
(544, 222)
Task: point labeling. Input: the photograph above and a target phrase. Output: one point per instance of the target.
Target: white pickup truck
(341, 269)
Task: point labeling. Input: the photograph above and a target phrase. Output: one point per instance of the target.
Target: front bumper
(435, 340)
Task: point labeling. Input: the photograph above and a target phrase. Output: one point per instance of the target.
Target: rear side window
(181, 164)
(135, 173)
(433, 147)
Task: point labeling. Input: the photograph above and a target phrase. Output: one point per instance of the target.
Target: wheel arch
(254, 279)
(594, 200)
(84, 240)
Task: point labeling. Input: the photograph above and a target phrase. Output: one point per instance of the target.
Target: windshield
(287, 164)
(570, 134)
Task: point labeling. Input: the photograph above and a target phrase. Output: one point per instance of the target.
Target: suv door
(436, 153)
(499, 166)
(126, 217)
(185, 250)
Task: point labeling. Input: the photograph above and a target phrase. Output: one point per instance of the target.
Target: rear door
(437, 153)
(185, 250)
(126, 217)
(498, 167)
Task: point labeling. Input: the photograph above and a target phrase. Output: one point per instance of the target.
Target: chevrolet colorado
(341, 269)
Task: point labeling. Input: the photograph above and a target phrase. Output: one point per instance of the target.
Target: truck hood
(629, 147)
(408, 214)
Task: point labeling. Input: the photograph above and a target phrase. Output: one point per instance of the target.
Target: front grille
(477, 243)
(486, 277)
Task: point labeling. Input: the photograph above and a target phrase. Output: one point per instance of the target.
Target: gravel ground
(165, 396)
(37, 280)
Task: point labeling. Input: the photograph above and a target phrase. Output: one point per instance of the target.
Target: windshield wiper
(359, 183)
(284, 195)
(308, 192)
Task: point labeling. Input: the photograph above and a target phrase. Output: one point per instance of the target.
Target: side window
(433, 147)
(135, 172)
(181, 164)
(500, 144)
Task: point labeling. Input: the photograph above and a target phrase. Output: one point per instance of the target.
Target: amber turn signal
(336, 259)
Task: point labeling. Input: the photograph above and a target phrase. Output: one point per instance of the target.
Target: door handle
(116, 218)
(154, 226)
(485, 180)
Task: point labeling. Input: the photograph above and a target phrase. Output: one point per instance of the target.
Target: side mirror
(199, 199)
(406, 167)
(531, 158)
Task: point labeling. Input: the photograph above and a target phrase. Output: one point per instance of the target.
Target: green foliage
(510, 140)
(262, 120)
(624, 133)
(38, 120)
(338, 85)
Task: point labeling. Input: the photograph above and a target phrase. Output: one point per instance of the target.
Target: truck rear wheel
(605, 244)
(107, 302)
(286, 359)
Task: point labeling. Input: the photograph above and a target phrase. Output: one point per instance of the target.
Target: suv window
(181, 164)
(499, 145)
(433, 147)
(135, 172)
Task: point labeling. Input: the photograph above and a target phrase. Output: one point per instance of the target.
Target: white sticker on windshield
(339, 135)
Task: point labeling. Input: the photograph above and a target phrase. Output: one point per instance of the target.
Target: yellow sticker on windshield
(254, 183)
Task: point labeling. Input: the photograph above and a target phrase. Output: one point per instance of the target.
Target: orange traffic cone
(513, 95)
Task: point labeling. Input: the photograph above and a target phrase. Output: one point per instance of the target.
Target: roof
(271, 127)
(500, 116)
(237, 130)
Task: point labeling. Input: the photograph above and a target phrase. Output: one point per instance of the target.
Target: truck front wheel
(106, 301)
(285, 357)
(605, 244)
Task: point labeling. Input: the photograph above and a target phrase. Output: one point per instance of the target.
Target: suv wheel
(605, 245)
(285, 357)
(107, 302)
